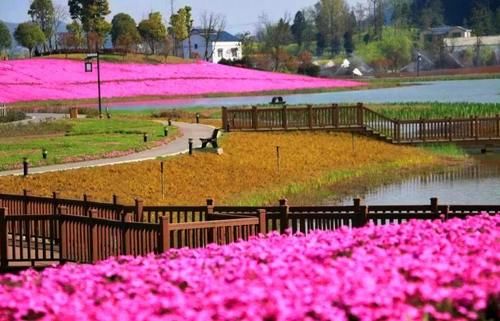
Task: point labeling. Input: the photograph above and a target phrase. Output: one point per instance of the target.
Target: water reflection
(481, 91)
(478, 184)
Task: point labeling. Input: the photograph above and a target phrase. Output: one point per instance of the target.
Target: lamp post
(419, 60)
(88, 68)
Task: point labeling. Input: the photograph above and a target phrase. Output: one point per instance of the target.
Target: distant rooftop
(224, 36)
(446, 29)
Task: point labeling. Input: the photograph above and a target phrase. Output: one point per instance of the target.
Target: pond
(480, 91)
(476, 184)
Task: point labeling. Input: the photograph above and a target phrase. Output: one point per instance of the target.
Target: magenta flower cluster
(58, 79)
(420, 270)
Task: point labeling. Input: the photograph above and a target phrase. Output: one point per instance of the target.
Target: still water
(478, 184)
(480, 91)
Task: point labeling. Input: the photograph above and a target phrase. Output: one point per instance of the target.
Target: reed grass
(412, 111)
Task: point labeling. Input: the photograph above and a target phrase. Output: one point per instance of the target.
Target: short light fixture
(88, 64)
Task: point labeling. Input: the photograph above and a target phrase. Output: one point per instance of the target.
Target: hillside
(58, 79)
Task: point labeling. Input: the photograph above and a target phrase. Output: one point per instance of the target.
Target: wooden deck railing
(362, 119)
(45, 237)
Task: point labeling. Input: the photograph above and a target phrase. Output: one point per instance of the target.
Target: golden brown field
(246, 173)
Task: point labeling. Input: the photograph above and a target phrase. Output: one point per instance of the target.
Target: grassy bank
(247, 172)
(75, 140)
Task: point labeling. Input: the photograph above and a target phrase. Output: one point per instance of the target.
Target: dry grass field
(246, 173)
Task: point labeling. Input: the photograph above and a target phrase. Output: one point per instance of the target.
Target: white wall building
(225, 46)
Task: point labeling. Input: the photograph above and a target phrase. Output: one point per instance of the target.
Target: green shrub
(12, 115)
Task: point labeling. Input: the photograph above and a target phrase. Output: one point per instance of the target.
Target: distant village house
(222, 45)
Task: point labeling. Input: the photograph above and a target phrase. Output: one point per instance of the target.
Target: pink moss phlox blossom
(58, 79)
(420, 270)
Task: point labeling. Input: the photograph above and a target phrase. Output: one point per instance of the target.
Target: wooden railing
(42, 238)
(362, 119)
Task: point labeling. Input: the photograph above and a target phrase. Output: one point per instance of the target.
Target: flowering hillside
(417, 271)
(57, 79)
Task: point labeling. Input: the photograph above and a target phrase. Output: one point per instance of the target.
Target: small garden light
(190, 143)
(145, 137)
(165, 131)
(45, 153)
(25, 166)
(197, 118)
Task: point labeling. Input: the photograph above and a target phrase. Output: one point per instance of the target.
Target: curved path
(175, 147)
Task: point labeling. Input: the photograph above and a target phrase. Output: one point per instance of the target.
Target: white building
(222, 46)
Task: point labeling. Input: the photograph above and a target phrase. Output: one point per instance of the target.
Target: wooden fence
(37, 231)
(362, 119)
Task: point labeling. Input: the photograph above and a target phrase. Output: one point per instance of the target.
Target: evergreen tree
(42, 13)
(5, 37)
(298, 28)
(29, 35)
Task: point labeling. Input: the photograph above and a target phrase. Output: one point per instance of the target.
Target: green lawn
(73, 140)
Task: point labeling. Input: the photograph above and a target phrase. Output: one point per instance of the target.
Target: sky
(241, 15)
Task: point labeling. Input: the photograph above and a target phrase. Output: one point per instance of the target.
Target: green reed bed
(433, 110)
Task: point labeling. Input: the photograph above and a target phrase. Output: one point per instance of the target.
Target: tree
(392, 52)
(298, 28)
(75, 36)
(29, 35)
(331, 21)
(276, 36)
(482, 25)
(348, 43)
(42, 13)
(153, 31)
(5, 37)
(91, 14)
(124, 33)
(60, 15)
(181, 25)
(212, 26)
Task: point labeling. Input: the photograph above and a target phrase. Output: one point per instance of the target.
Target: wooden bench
(211, 140)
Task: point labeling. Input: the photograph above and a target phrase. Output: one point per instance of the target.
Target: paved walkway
(175, 147)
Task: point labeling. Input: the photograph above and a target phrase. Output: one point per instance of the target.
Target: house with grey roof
(440, 33)
(221, 45)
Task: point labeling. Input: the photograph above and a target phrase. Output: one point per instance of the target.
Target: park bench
(210, 140)
(277, 101)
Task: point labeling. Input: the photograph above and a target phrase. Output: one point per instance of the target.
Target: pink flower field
(421, 270)
(58, 79)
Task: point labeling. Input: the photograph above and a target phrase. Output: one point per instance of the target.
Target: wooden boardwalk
(363, 120)
(40, 231)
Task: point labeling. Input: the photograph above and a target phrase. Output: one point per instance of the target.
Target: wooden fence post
(139, 210)
(284, 117)
(164, 235)
(26, 202)
(93, 237)
(446, 213)
(450, 132)
(209, 212)
(398, 131)
(54, 228)
(421, 129)
(86, 199)
(225, 121)
(359, 114)
(116, 199)
(262, 221)
(497, 122)
(476, 122)
(255, 124)
(4, 263)
(434, 206)
(361, 213)
(335, 115)
(125, 248)
(63, 244)
(284, 215)
(310, 116)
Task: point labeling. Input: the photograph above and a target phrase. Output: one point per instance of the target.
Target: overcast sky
(241, 15)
